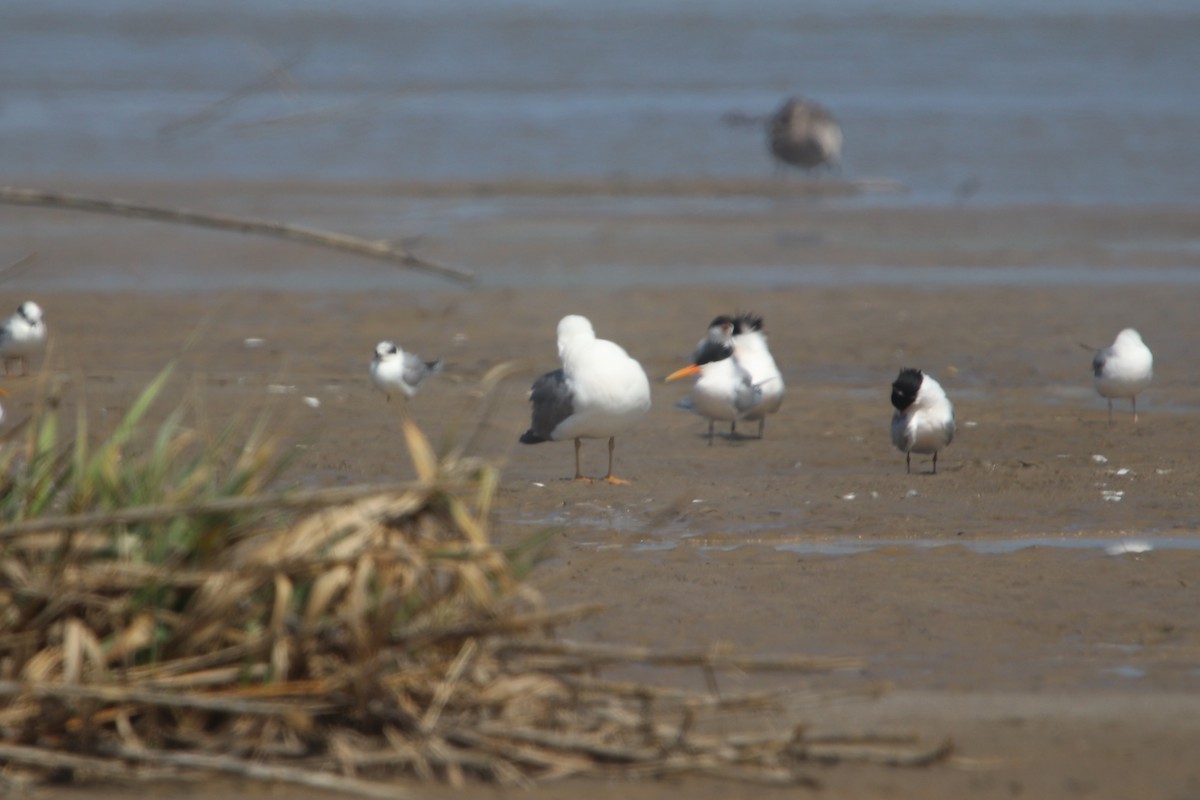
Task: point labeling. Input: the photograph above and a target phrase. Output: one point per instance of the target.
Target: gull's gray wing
(552, 403)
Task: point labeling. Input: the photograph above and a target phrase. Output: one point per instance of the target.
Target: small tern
(392, 369)
(724, 390)
(923, 421)
(23, 335)
(751, 351)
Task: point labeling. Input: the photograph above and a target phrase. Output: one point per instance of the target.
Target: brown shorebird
(804, 134)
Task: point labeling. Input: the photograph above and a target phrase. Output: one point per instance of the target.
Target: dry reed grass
(366, 638)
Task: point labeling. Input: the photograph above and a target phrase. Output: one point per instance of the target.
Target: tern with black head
(923, 421)
(723, 391)
(752, 353)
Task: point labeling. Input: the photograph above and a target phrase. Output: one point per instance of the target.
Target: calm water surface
(1060, 102)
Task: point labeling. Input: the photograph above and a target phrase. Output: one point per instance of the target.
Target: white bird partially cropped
(1124, 369)
(804, 134)
(393, 370)
(599, 392)
(23, 335)
(751, 351)
(724, 390)
(923, 421)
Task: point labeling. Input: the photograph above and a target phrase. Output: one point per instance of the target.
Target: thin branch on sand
(381, 249)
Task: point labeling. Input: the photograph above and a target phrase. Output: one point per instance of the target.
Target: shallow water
(1076, 102)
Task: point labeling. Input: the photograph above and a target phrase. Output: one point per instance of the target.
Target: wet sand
(1056, 670)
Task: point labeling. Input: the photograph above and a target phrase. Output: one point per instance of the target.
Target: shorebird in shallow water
(23, 335)
(599, 392)
(1123, 369)
(923, 421)
(392, 370)
(804, 134)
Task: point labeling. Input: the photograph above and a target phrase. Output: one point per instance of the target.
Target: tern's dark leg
(908, 463)
(935, 462)
(762, 425)
(710, 431)
(612, 443)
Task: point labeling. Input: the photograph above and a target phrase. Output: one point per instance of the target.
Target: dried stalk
(441, 695)
(874, 753)
(253, 770)
(290, 500)
(516, 623)
(600, 654)
(207, 702)
(379, 249)
(46, 758)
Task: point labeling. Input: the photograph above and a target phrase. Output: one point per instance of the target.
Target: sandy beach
(1017, 185)
(986, 598)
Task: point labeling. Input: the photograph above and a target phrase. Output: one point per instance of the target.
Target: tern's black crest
(905, 388)
(722, 321)
(712, 351)
(745, 322)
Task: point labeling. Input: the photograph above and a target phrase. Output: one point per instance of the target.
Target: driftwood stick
(378, 249)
